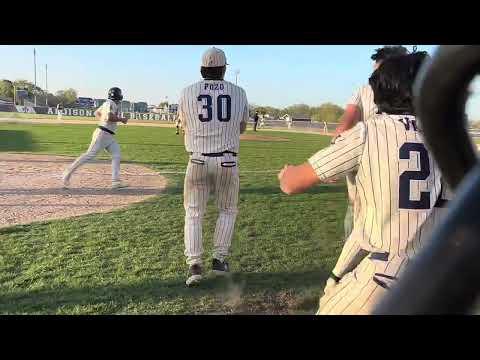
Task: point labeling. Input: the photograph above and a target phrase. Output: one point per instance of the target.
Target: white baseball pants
(101, 140)
(206, 175)
(359, 291)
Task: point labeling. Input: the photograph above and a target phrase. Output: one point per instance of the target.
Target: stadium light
(236, 76)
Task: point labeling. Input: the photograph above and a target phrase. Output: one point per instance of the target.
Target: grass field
(131, 261)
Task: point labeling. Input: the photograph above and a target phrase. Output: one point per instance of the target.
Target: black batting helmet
(115, 94)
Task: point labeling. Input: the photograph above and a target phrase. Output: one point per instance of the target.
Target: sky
(273, 75)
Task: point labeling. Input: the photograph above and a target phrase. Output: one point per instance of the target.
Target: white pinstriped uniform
(101, 140)
(211, 112)
(363, 100)
(398, 185)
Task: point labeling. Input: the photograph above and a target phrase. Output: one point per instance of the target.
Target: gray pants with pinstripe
(207, 176)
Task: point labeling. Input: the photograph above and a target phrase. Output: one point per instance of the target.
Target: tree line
(328, 112)
(67, 97)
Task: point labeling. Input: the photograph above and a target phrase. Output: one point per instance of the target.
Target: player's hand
(282, 172)
(331, 283)
(334, 139)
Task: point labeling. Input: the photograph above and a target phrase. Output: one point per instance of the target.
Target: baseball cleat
(118, 185)
(194, 275)
(65, 182)
(220, 267)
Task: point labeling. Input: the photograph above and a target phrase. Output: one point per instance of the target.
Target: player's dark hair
(213, 73)
(393, 81)
(388, 52)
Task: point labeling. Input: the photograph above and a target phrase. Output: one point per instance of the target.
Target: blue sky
(271, 75)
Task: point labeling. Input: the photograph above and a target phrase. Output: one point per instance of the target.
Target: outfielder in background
(255, 121)
(103, 139)
(213, 113)
(59, 111)
(359, 108)
(178, 125)
(400, 192)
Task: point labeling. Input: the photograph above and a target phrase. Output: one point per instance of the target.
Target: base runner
(103, 139)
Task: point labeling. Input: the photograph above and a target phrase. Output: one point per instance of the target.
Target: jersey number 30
(224, 108)
(407, 176)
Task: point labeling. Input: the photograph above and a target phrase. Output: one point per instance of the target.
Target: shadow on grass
(16, 140)
(269, 190)
(253, 293)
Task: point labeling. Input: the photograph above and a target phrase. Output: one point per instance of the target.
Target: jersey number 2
(407, 176)
(224, 113)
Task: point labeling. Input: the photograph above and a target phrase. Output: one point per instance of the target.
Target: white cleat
(118, 185)
(65, 182)
(194, 275)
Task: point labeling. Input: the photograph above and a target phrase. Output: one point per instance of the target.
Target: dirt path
(30, 188)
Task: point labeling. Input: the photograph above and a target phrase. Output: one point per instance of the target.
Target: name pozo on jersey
(213, 86)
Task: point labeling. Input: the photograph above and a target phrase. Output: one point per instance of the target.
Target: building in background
(99, 102)
(20, 96)
(85, 102)
(302, 119)
(125, 106)
(140, 106)
(172, 108)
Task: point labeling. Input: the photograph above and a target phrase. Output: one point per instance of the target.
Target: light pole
(35, 76)
(46, 85)
(236, 76)
(167, 112)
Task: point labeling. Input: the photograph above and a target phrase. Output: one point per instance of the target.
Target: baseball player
(262, 120)
(103, 139)
(178, 125)
(361, 107)
(255, 121)
(59, 111)
(213, 113)
(399, 197)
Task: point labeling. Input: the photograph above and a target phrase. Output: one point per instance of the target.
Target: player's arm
(351, 115)
(243, 123)
(111, 116)
(330, 163)
(115, 118)
(98, 113)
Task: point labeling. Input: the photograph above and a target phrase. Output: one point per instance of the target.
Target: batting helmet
(115, 94)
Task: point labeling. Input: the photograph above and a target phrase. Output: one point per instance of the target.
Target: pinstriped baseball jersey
(398, 184)
(363, 99)
(107, 107)
(211, 112)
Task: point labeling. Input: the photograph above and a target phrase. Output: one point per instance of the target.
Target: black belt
(379, 256)
(106, 130)
(217, 154)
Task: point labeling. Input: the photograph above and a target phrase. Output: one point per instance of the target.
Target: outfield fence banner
(44, 110)
(25, 109)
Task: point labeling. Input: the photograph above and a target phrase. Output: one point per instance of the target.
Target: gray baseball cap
(214, 57)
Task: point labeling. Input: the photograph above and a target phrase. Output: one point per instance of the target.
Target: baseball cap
(214, 57)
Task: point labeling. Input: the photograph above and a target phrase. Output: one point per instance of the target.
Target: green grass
(131, 260)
